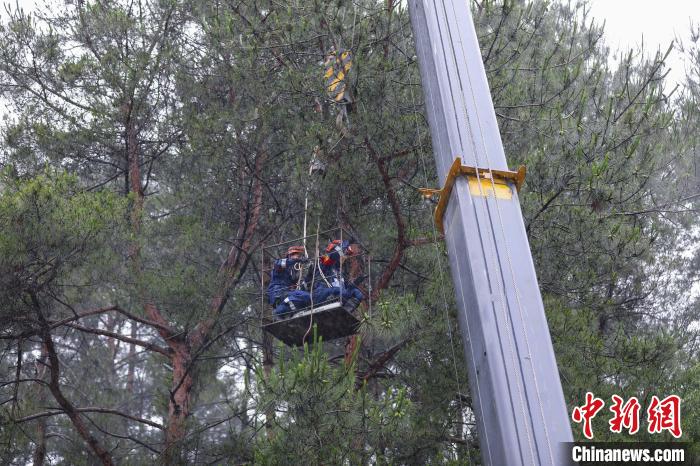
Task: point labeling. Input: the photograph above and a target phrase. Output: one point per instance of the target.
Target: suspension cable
(313, 277)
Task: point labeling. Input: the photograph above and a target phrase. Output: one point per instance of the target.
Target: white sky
(628, 22)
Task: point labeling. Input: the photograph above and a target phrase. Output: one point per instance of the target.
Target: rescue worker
(327, 278)
(282, 292)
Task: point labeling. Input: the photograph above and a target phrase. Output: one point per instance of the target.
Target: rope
(306, 209)
(313, 277)
(354, 17)
(369, 285)
(299, 267)
(306, 200)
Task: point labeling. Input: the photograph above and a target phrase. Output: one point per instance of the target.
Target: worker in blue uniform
(284, 292)
(326, 277)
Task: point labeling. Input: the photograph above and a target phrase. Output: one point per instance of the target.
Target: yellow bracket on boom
(483, 182)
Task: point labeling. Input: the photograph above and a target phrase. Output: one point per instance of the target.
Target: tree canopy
(152, 149)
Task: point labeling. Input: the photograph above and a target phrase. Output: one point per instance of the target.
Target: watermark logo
(587, 412)
(665, 415)
(662, 415)
(625, 415)
(627, 453)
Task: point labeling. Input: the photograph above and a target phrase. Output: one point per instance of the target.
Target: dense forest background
(153, 147)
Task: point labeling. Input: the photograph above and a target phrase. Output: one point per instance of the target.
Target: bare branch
(55, 388)
(57, 411)
(124, 338)
(401, 243)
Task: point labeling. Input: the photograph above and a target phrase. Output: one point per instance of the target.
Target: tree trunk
(179, 403)
(352, 343)
(136, 407)
(40, 450)
(268, 364)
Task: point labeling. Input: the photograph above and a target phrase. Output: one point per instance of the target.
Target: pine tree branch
(238, 257)
(383, 358)
(58, 411)
(124, 338)
(116, 308)
(55, 388)
(401, 243)
(424, 240)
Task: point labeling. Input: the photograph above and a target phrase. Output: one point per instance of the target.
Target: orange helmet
(332, 245)
(295, 250)
(344, 247)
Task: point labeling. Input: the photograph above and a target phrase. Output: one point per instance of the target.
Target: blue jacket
(283, 278)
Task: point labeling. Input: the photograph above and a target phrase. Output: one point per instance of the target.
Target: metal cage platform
(331, 319)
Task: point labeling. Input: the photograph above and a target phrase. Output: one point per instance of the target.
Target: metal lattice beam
(514, 381)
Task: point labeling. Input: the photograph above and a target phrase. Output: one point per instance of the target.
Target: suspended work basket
(325, 298)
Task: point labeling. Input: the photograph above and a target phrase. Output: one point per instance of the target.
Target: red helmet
(295, 250)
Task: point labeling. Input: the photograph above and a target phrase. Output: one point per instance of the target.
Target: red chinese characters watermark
(662, 415)
(625, 415)
(665, 415)
(587, 412)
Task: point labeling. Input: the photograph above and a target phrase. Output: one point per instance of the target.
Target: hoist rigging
(307, 289)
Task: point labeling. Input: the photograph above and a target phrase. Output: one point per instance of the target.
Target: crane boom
(514, 381)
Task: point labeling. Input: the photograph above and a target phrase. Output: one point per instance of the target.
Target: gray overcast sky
(657, 22)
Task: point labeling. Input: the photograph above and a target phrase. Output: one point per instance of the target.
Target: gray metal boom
(515, 387)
